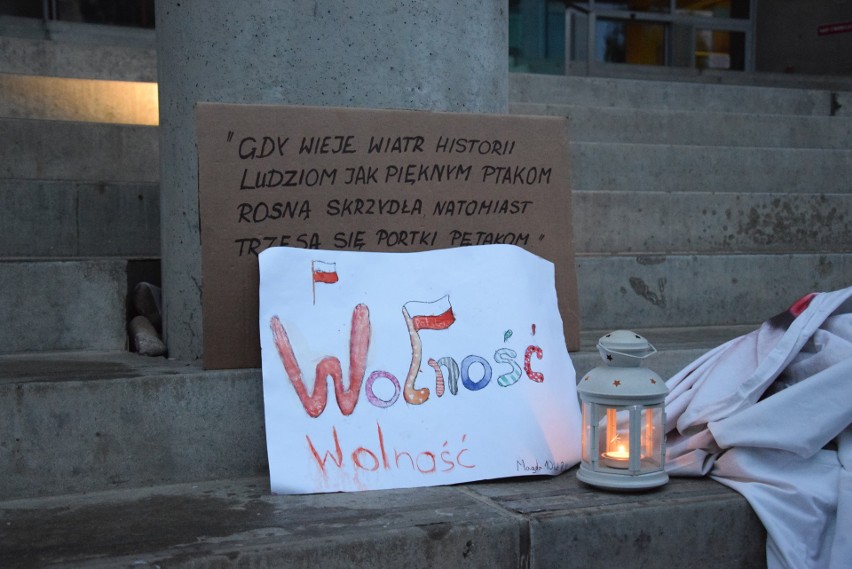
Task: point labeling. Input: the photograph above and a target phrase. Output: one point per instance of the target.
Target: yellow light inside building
(86, 100)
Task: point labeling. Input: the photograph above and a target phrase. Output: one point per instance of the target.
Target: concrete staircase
(701, 204)
(700, 210)
(79, 200)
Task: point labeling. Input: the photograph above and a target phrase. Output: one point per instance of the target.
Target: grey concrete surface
(84, 152)
(77, 50)
(531, 522)
(735, 129)
(832, 82)
(670, 95)
(711, 222)
(63, 305)
(37, 219)
(700, 290)
(427, 55)
(118, 220)
(688, 523)
(698, 204)
(71, 219)
(680, 168)
(85, 422)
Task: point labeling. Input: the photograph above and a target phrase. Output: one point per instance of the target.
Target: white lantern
(623, 406)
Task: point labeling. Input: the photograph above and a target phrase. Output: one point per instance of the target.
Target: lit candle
(618, 458)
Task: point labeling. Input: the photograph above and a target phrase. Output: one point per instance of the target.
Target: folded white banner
(446, 366)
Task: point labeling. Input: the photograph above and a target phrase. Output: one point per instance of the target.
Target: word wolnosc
(418, 316)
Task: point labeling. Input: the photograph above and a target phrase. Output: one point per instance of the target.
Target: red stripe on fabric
(802, 304)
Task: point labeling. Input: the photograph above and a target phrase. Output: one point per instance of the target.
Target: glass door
(702, 34)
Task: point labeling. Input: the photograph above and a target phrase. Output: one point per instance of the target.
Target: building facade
(770, 36)
(561, 36)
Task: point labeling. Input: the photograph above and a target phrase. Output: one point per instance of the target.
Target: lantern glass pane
(652, 438)
(614, 437)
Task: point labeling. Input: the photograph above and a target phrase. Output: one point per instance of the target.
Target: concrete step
(676, 96)
(672, 168)
(78, 219)
(78, 151)
(70, 49)
(89, 421)
(87, 100)
(710, 76)
(643, 126)
(80, 304)
(74, 422)
(684, 222)
(532, 523)
(63, 305)
(619, 291)
(68, 219)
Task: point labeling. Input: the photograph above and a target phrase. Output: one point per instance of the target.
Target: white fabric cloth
(768, 414)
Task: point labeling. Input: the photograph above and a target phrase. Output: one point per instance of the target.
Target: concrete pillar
(448, 55)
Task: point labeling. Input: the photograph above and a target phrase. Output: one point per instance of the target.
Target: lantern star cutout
(609, 357)
(616, 382)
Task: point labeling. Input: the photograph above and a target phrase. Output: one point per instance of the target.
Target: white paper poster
(393, 370)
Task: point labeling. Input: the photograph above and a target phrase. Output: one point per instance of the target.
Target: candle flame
(620, 452)
(620, 448)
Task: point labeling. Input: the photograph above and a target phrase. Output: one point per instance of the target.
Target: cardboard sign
(369, 180)
(445, 366)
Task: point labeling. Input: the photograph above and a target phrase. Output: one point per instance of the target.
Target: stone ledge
(70, 305)
(654, 92)
(62, 219)
(49, 150)
(73, 422)
(529, 522)
(523, 522)
(87, 46)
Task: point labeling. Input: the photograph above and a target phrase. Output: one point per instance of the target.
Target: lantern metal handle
(652, 351)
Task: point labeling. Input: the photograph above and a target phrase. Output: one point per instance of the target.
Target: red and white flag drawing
(324, 272)
(435, 315)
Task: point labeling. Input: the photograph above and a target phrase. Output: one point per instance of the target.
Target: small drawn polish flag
(435, 315)
(324, 272)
